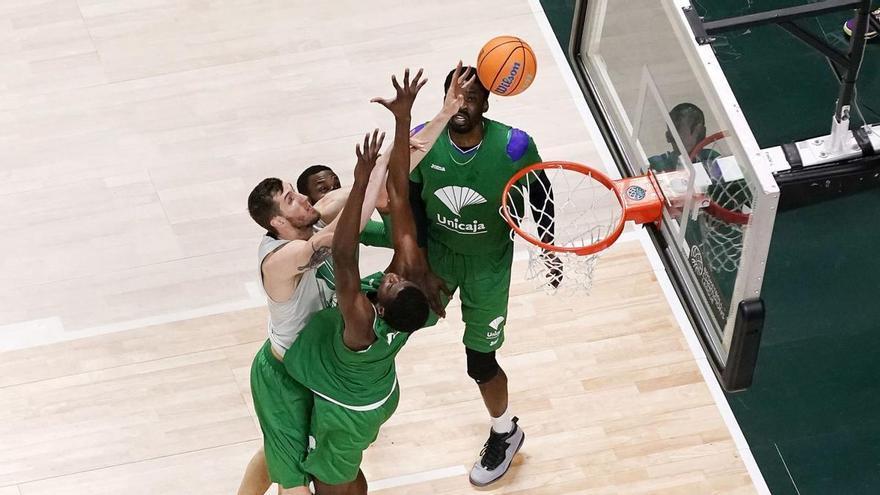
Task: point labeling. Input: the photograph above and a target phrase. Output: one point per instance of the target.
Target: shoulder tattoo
(318, 257)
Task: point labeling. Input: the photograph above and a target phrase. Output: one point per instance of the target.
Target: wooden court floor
(131, 132)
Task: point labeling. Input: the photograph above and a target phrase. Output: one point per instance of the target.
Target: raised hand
(461, 81)
(402, 102)
(436, 291)
(367, 156)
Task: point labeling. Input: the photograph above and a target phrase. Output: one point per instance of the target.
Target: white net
(566, 210)
(723, 224)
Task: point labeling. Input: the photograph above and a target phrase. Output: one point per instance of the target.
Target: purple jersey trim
(517, 144)
(417, 128)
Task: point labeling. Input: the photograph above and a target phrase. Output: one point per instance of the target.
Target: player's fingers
(381, 140)
(374, 150)
(381, 101)
(464, 76)
(357, 151)
(366, 147)
(394, 82)
(406, 77)
(470, 81)
(417, 80)
(421, 85)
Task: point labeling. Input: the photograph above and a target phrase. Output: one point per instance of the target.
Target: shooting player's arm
(357, 311)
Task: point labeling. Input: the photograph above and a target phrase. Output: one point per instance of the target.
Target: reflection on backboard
(670, 111)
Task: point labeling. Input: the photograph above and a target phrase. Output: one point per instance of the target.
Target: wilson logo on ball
(506, 65)
(507, 81)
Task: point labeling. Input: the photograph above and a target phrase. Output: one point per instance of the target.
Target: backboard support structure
(645, 77)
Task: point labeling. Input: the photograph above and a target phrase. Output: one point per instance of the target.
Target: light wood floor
(131, 132)
(609, 396)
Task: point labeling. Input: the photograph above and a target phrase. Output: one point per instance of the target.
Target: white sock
(503, 423)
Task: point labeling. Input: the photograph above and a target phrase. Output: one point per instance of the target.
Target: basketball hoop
(583, 214)
(728, 212)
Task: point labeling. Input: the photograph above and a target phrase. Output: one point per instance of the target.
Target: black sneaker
(496, 456)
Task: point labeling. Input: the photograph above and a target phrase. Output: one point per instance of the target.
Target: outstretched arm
(409, 260)
(421, 140)
(403, 234)
(357, 311)
(424, 139)
(332, 203)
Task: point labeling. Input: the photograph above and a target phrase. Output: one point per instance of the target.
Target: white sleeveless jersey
(312, 294)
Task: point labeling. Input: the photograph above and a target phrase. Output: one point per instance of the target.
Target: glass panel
(661, 94)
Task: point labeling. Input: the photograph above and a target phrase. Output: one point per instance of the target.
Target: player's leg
(283, 408)
(256, 476)
(356, 487)
(484, 300)
(341, 437)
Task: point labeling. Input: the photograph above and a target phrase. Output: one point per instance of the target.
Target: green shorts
(341, 437)
(284, 409)
(484, 285)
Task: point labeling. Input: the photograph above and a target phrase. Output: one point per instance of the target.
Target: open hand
(436, 291)
(402, 102)
(367, 155)
(461, 81)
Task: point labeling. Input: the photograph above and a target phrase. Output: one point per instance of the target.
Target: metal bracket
(846, 65)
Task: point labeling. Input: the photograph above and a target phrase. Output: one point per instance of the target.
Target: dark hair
(262, 205)
(408, 311)
(479, 83)
(687, 114)
(302, 182)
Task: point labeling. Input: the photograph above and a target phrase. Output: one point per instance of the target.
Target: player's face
(295, 208)
(690, 136)
(320, 184)
(470, 114)
(390, 286)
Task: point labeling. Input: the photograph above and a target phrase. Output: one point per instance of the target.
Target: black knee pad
(481, 366)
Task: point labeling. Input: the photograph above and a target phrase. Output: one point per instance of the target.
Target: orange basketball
(506, 65)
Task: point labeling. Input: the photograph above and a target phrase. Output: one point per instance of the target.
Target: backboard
(666, 106)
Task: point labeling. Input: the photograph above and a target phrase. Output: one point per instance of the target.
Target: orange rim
(575, 167)
(714, 209)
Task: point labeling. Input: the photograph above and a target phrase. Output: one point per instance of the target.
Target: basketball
(506, 65)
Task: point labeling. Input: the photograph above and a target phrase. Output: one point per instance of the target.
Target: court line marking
(647, 245)
(45, 331)
(416, 478)
(785, 465)
(33, 333)
(56, 333)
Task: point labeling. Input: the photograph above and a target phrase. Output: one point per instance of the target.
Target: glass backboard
(671, 111)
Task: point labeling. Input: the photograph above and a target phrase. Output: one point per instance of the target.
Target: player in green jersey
(457, 188)
(283, 405)
(317, 181)
(345, 354)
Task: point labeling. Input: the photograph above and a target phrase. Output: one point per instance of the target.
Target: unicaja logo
(455, 198)
(507, 81)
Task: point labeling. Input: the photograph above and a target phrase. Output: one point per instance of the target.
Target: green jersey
(359, 380)
(462, 191)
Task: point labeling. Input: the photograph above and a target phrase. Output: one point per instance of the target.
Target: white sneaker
(496, 456)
